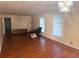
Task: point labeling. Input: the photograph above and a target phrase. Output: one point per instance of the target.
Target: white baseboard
(56, 39)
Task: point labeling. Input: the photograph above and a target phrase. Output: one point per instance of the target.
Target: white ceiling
(27, 7)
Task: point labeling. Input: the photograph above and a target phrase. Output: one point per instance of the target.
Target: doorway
(7, 22)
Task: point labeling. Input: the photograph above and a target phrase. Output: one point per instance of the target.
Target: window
(57, 26)
(42, 23)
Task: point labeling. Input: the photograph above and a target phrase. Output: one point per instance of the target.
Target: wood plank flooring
(22, 46)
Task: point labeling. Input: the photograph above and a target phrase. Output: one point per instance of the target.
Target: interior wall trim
(57, 40)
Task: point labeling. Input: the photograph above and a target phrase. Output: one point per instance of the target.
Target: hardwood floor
(21, 46)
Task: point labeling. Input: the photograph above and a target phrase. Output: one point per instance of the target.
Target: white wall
(19, 22)
(36, 22)
(70, 28)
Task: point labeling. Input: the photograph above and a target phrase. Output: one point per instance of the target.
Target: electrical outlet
(71, 43)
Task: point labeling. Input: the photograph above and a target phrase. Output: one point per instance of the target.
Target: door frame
(4, 24)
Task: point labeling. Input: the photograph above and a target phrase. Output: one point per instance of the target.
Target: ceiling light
(65, 6)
